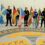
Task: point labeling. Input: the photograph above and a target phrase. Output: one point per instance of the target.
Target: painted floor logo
(23, 38)
(17, 41)
(40, 41)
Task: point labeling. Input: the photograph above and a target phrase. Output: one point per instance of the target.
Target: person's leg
(36, 23)
(33, 23)
(44, 23)
(10, 21)
(17, 18)
(41, 22)
(24, 22)
(6, 21)
(27, 21)
(16, 22)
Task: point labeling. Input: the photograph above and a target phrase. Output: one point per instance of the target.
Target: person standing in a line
(8, 16)
(14, 15)
(43, 18)
(30, 16)
(35, 18)
(17, 17)
(26, 16)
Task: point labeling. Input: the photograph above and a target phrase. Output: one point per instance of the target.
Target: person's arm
(25, 12)
(42, 14)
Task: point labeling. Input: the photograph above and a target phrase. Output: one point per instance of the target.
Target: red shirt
(14, 11)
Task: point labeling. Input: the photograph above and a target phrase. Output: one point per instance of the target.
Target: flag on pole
(1, 19)
(1, 15)
(3, 10)
(21, 18)
(2, 7)
(22, 13)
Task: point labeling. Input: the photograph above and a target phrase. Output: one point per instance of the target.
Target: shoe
(10, 25)
(15, 25)
(6, 25)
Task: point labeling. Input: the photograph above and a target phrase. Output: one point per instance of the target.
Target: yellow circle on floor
(40, 41)
(18, 41)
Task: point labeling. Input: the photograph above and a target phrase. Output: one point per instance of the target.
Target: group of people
(9, 16)
(16, 14)
(27, 18)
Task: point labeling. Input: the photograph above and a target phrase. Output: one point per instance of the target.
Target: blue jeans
(35, 22)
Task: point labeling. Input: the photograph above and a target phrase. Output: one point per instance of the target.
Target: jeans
(42, 20)
(35, 22)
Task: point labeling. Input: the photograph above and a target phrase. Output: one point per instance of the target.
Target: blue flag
(4, 12)
(1, 20)
(2, 7)
(22, 13)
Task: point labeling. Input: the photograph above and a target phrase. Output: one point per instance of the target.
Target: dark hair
(44, 8)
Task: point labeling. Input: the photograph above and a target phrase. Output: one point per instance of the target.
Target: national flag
(22, 13)
(1, 15)
(2, 7)
(4, 12)
(21, 18)
(1, 19)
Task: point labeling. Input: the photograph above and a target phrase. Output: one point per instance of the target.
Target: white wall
(22, 3)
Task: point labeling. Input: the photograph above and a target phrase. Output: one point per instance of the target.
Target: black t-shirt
(43, 14)
(8, 12)
(26, 14)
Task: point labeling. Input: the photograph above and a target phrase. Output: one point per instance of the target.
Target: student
(8, 16)
(43, 18)
(17, 17)
(31, 11)
(14, 15)
(26, 16)
(35, 18)
(30, 16)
